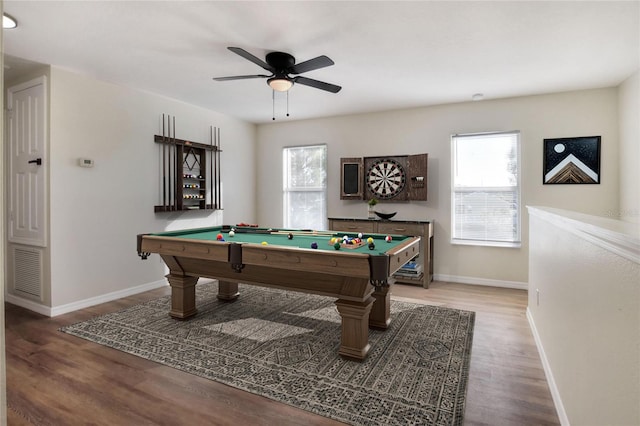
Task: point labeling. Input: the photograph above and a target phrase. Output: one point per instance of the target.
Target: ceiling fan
(280, 65)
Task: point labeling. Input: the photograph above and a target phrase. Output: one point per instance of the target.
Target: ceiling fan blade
(311, 64)
(240, 77)
(317, 84)
(248, 56)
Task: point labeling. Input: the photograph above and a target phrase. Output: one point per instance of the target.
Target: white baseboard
(555, 393)
(27, 304)
(481, 281)
(81, 304)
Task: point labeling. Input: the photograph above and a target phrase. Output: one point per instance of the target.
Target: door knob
(38, 161)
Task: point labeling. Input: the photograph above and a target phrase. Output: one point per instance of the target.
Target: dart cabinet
(391, 178)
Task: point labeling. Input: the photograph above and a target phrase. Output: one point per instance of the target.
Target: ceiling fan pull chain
(273, 103)
(287, 103)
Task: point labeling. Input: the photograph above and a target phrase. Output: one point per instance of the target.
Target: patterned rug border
(260, 374)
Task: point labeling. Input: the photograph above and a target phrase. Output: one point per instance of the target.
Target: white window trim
(286, 189)
(488, 243)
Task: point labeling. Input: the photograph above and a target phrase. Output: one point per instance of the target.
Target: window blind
(305, 187)
(486, 189)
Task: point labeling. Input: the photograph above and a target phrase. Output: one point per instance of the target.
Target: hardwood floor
(57, 379)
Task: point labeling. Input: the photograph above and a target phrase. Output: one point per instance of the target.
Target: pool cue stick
(250, 230)
(218, 183)
(169, 204)
(175, 148)
(211, 190)
(309, 233)
(164, 167)
(214, 169)
(169, 149)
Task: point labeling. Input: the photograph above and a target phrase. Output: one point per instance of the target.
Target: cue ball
(388, 238)
(290, 236)
(359, 234)
(314, 245)
(372, 246)
(219, 237)
(231, 233)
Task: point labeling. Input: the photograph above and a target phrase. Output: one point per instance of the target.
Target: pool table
(356, 275)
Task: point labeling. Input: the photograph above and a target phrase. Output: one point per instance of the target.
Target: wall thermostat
(85, 162)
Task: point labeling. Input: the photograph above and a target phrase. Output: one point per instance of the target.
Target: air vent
(27, 271)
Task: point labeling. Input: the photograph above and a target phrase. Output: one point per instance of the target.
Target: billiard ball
(359, 234)
(314, 245)
(264, 243)
(388, 238)
(372, 246)
(219, 237)
(370, 240)
(337, 246)
(290, 236)
(231, 233)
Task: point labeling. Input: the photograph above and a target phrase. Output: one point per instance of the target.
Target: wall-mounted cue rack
(190, 171)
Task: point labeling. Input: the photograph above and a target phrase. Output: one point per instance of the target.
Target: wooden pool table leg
(227, 290)
(354, 342)
(380, 313)
(183, 296)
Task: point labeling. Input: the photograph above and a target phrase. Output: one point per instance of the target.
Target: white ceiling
(388, 54)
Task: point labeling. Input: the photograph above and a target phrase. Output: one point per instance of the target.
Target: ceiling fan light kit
(280, 84)
(281, 65)
(8, 22)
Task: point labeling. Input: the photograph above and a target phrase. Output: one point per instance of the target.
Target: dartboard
(385, 178)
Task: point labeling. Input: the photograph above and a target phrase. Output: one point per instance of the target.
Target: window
(305, 187)
(485, 194)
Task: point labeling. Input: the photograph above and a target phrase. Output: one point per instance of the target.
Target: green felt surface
(301, 241)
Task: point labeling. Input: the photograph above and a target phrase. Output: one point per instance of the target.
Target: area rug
(284, 346)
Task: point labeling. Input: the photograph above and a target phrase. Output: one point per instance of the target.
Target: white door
(26, 134)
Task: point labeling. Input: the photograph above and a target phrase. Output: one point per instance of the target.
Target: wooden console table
(423, 229)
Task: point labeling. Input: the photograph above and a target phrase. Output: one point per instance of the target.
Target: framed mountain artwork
(572, 160)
